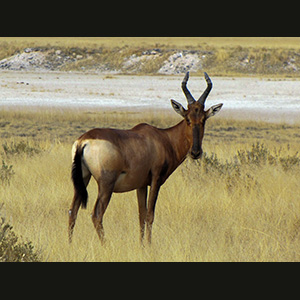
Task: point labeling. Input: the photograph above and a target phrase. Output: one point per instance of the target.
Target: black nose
(196, 154)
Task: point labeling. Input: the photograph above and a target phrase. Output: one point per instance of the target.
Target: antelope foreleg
(142, 203)
(154, 190)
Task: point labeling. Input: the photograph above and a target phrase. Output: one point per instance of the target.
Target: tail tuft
(79, 186)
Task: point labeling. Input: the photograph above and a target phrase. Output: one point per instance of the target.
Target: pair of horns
(190, 99)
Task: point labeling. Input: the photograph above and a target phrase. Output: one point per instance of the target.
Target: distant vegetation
(274, 57)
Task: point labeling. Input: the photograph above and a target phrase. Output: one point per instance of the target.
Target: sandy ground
(262, 99)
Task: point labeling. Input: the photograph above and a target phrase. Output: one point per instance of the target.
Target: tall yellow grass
(201, 214)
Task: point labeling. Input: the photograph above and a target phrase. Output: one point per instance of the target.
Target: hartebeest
(125, 160)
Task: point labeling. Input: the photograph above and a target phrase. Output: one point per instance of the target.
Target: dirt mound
(28, 60)
(229, 61)
(149, 61)
(181, 62)
(36, 59)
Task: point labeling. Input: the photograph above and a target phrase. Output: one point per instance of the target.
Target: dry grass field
(170, 42)
(241, 202)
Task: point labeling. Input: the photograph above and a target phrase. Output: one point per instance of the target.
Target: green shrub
(289, 161)
(11, 250)
(20, 148)
(257, 156)
(260, 155)
(6, 172)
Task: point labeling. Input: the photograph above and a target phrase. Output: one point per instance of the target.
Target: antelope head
(195, 116)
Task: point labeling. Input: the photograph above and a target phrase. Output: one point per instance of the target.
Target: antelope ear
(178, 108)
(213, 110)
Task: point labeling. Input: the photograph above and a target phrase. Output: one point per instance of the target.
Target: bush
(243, 168)
(13, 251)
(20, 148)
(6, 172)
(289, 161)
(258, 156)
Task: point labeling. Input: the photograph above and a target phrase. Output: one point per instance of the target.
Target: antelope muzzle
(196, 151)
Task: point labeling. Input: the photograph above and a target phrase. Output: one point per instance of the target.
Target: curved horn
(207, 91)
(190, 99)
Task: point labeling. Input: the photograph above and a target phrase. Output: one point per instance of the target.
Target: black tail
(79, 186)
